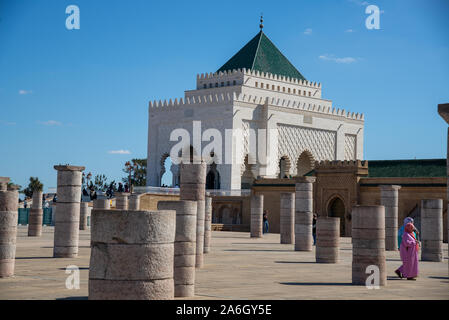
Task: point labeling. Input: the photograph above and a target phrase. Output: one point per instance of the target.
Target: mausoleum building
(258, 88)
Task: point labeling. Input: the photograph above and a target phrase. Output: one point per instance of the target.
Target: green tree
(34, 185)
(100, 182)
(136, 171)
(86, 179)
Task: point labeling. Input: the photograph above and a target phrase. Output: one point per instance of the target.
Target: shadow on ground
(316, 283)
(295, 262)
(439, 278)
(26, 258)
(394, 278)
(73, 298)
(249, 243)
(264, 250)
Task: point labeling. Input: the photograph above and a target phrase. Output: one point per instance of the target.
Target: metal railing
(209, 192)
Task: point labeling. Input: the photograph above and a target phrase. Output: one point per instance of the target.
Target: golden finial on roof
(261, 22)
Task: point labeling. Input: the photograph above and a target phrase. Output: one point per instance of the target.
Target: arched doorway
(213, 178)
(336, 208)
(225, 215)
(166, 175)
(305, 163)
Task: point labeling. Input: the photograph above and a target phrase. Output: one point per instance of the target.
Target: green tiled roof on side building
(416, 168)
(261, 54)
(407, 168)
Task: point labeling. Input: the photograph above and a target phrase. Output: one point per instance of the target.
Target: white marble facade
(308, 127)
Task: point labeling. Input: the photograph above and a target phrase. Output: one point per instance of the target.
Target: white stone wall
(304, 123)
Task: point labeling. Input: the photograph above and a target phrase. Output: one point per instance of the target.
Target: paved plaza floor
(237, 267)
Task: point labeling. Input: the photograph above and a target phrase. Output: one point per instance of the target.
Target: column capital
(69, 168)
(4, 183)
(443, 110)
(4, 179)
(389, 187)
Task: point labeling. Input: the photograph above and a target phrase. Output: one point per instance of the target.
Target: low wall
(148, 201)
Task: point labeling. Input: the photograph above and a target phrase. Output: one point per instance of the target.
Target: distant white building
(258, 88)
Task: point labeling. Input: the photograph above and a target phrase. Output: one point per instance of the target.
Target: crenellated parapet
(226, 98)
(216, 99)
(301, 105)
(219, 76)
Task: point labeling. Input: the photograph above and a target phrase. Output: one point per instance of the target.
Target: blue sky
(77, 96)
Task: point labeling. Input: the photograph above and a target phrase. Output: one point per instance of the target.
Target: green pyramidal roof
(262, 55)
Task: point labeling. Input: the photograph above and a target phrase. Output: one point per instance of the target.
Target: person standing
(409, 254)
(265, 221)
(401, 230)
(314, 228)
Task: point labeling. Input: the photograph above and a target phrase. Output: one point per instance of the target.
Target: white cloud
(23, 92)
(119, 152)
(51, 123)
(346, 60)
(360, 2)
(308, 31)
(7, 123)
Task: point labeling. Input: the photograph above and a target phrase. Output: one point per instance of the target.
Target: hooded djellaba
(409, 254)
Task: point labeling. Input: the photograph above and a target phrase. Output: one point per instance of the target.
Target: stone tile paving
(237, 267)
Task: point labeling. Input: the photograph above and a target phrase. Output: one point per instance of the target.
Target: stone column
(207, 224)
(327, 239)
(443, 110)
(193, 187)
(132, 255)
(389, 199)
(68, 208)
(432, 230)
(102, 202)
(134, 202)
(84, 213)
(121, 200)
(368, 243)
(287, 218)
(185, 245)
(256, 223)
(9, 202)
(304, 213)
(36, 215)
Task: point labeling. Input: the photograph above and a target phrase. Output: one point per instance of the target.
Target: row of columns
(374, 228)
(134, 254)
(169, 243)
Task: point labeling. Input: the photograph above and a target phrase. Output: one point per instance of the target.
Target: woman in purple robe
(409, 254)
